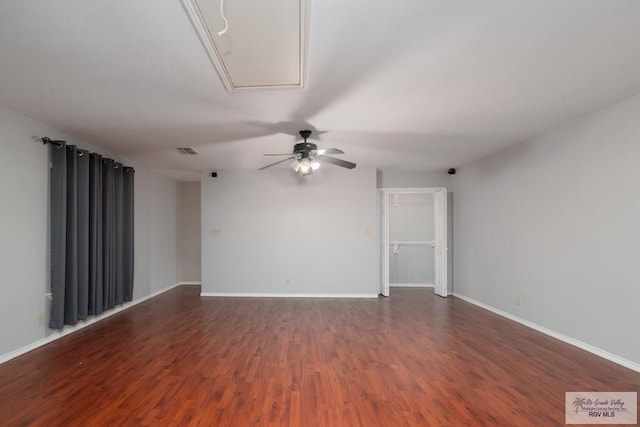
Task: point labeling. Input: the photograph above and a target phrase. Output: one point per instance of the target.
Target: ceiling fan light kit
(307, 158)
(305, 166)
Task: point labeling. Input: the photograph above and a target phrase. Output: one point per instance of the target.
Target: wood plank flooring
(413, 359)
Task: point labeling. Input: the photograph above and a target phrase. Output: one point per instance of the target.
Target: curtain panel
(91, 234)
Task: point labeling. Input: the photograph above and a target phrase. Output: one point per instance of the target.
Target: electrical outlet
(215, 232)
(518, 300)
(40, 319)
(287, 281)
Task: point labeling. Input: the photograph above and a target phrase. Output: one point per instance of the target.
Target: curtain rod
(46, 140)
(59, 143)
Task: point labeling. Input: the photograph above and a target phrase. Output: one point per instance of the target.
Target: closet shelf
(397, 243)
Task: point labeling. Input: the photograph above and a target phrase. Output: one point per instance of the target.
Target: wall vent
(187, 150)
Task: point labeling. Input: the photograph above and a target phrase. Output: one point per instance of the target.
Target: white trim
(83, 324)
(278, 295)
(440, 253)
(574, 342)
(190, 283)
(412, 285)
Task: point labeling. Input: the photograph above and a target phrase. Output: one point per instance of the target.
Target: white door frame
(440, 241)
(440, 235)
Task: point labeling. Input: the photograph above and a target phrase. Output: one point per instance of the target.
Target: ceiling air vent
(187, 150)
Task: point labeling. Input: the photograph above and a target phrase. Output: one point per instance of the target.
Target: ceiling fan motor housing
(304, 148)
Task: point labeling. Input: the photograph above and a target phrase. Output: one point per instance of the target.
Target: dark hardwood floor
(411, 359)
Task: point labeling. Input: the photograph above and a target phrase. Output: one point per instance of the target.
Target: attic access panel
(265, 45)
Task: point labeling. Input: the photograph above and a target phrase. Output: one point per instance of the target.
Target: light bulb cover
(305, 166)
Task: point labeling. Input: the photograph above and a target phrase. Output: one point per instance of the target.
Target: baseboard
(411, 285)
(83, 324)
(277, 295)
(190, 283)
(574, 342)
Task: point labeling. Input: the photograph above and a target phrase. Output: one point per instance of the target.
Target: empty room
(319, 213)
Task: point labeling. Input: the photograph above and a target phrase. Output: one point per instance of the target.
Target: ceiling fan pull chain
(226, 23)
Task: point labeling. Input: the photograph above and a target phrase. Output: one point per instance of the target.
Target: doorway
(413, 239)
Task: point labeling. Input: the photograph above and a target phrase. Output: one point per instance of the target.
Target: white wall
(190, 232)
(554, 221)
(24, 227)
(277, 233)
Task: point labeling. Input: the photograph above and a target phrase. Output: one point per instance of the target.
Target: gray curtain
(82, 187)
(108, 235)
(91, 234)
(117, 193)
(58, 157)
(95, 234)
(127, 233)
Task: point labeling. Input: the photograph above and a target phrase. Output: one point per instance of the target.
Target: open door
(435, 240)
(440, 241)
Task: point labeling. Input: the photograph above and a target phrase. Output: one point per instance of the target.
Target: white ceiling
(407, 84)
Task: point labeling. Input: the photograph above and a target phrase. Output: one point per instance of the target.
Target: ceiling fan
(307, 158)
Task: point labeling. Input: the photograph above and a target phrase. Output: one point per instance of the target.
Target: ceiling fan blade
(281, 154)
(337, 162)
(277, 163)
(323, 151)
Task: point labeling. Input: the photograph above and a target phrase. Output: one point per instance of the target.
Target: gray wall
(190, 232)
(407, 179)
(554, 221)
(24, 227)
(24, 173)
(274, 232)
(164, 245)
